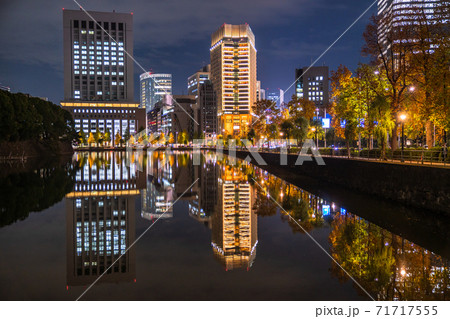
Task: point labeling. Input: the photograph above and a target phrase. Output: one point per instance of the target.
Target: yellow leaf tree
(162, 138)
(171, 138)
(117, 139)
(91, 138)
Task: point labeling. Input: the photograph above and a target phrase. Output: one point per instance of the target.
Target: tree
(82, 137)
(118, 139)
(91, 139)
(381, 110)
(98, 137)
(391, 54)
(262, 111)
(251, 135)
(162, 138)
(127, 134)
(344, 105)
(171, 138)
(107, 136)
(301, 107)
(152, 139)
(132, 140)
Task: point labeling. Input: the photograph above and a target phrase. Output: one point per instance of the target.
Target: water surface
(216, 234)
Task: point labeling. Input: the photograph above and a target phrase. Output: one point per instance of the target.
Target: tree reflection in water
(387, 265)
(33, 191)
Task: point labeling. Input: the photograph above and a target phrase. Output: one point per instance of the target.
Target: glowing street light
(412, 89)
(403, 119)
(403, 272)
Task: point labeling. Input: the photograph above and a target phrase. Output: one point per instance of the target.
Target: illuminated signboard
(325, 123)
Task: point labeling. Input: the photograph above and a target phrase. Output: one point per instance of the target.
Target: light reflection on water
(230, 199)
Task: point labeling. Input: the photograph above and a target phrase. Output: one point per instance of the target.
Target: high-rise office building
(233, 74)
(394, 14)
(96, 64)
(198, 78)
(277, 97)
(260, 92)
(207, 109)
(98, 72)
(200, 86)
(313, 86)
(153, 87)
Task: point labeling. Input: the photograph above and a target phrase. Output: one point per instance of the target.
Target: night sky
(173, 36)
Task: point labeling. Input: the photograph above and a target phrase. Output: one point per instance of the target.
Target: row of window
(106, 25)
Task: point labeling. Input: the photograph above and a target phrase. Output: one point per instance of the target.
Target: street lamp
(403, 119)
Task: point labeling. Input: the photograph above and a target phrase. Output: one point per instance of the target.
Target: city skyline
(281, 48)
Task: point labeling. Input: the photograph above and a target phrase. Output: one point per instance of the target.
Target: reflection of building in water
(100, 220)
(157, 200)
(158, 197)
(234, 225)
(204, 204)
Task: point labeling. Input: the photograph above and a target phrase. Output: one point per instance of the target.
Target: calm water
(221, 238)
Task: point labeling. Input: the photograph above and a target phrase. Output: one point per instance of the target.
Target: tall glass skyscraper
(153, 87)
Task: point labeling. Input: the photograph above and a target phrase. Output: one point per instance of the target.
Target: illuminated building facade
(100, 220)
(313, 86)
(394, 14)
(260, 92)
(98, 72)
(233, 74)
(153, 87)
(96, 65)
(234, 224)
(277, 97)
(200, 86)
(112, 117)
(198, 78)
